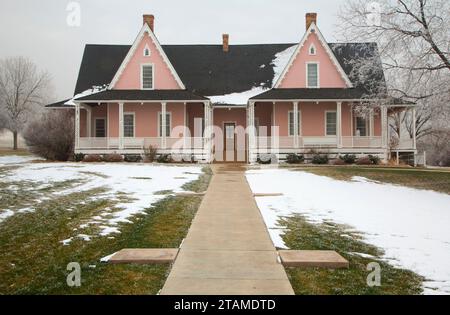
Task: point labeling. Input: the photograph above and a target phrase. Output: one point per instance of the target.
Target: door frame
(225, 123)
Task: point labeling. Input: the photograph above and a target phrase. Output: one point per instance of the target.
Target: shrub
(150, 154)
(133, 158)
(112, 158)
(92, 158)
(164, 158)
(319, 159)
(295, 158)
(339, 162)
(51, 135)
(189, 159)
(78, 157)
(364, 161)
(265, 159)
(375, 159)
(348, 158)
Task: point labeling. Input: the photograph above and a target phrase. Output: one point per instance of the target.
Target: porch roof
(332, 94)
(311, 94)
(141, 95)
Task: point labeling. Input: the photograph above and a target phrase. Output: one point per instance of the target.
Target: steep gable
(129, 75)
(331, 74)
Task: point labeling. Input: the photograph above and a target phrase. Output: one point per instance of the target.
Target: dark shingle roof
(307, 94)
(206, 69)
(59, 104)
(139, 95)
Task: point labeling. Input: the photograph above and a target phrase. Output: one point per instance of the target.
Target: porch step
(144, 256)
(312, 259)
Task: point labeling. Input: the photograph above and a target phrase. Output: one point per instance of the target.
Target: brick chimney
(150, 20)
(310, 18)
(225, 42)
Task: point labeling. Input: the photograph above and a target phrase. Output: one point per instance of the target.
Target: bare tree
(23, 92)
(413, 42)
(51, 134)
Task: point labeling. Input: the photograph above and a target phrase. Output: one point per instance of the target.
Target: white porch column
(120, 126)
(384, 127)
(88, 121)
(339, 124)
(371, 124)
(251, 132)
(208, 131)
(414, 128)
(163, 125)
(77, 126)
(295, 124)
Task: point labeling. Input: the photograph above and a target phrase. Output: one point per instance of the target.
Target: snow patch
(410, 225)
(117, 179)
(280, 62)
(240, 98)
(16, 159)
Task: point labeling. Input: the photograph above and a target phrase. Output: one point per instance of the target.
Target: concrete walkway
(228, 249)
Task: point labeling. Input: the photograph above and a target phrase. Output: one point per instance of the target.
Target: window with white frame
(360, 126)
(331, 123)
(168, 124)
(128, 125)
(100, 127)
(312, 50)
(312, 75)
(146, 51)
(147, 77)
(291, 123)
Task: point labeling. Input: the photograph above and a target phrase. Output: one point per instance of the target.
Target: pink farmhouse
(233, 103)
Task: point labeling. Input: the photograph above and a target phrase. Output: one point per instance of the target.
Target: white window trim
(149, 51)
(134, 123)
(159, 124)
(95, 126)
(356, 126)
(318, 74)
(153, 76)
(315, 50)
(326, 131)
(299, 123)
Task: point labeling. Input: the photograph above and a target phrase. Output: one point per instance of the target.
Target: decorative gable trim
(145, 30)
(314, 29)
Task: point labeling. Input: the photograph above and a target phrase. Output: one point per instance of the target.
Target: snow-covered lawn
(412, 226)
(131, 186)
(16, 159)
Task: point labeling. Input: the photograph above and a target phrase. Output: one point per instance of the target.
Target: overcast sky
(39, 29)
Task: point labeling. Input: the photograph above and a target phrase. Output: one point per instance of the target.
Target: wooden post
(77, 126)
(120, 126)
(339, 124)
(295, 124)
(414, 128)
(163, 125)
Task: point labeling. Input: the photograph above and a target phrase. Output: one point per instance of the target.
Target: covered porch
(299, 125)
(129, 122)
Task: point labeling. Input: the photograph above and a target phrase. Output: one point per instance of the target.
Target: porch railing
(112, 143)
(307, 142)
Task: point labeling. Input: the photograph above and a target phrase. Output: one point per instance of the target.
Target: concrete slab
(197, 286)
(312, 258)
(267, 194)
(228, 249)
(144, 256)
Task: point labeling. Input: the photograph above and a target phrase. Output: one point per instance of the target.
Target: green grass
(415, 178)
(33, 261)
(21, 152)
(303, 235)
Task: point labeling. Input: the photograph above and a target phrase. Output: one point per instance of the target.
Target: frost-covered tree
(413, 42)
(23, 92)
